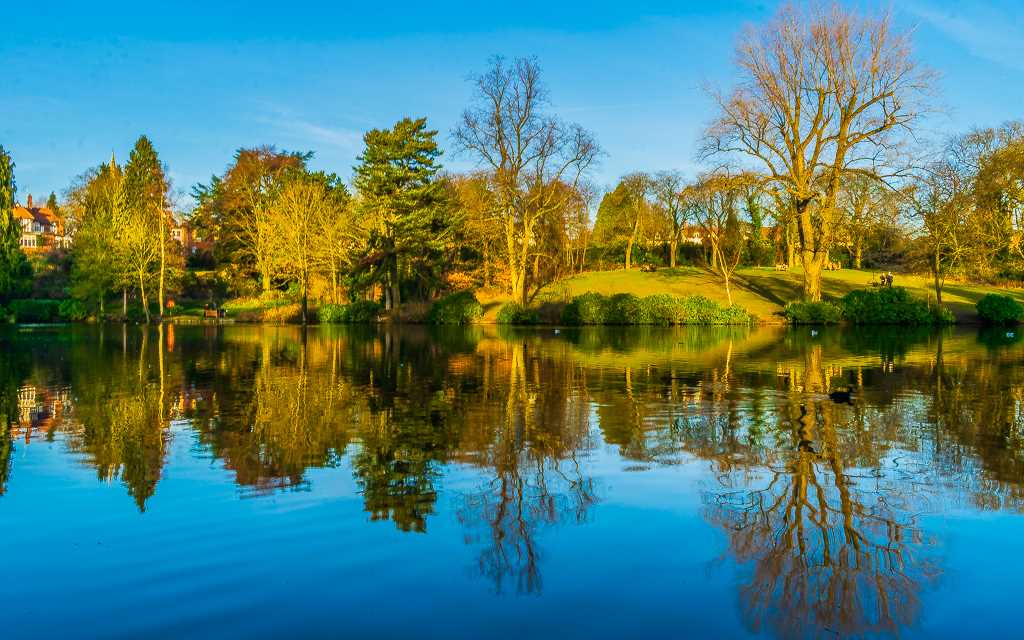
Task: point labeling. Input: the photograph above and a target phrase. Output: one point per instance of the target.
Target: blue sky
(202, 79)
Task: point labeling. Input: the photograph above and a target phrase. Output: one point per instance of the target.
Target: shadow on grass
(784, 287)
(777, 290)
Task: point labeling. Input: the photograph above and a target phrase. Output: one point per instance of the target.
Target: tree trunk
(142, 294)
(396, 293)
(334, 283)
(266, 282)
(812, 255)
(857, 253)
(632, 241)
(938, 280)
(124, 302)
(163, 265)
(790, 247)
(673, 249)
(305, 301)
(714, 256)
(487, 267)
(812, 264)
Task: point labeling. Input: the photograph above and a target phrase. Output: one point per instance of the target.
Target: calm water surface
(484, 483)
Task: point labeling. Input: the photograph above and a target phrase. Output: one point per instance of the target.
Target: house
(41, 228)
(183, 233)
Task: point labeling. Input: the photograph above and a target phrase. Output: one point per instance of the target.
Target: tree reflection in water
(830, 534)
(532, 475)
(823, 503)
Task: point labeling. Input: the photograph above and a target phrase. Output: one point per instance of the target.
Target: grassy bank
(761, 291)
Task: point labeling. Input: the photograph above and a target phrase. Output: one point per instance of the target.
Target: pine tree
(145, 242)
(15, 270)
(405, 205)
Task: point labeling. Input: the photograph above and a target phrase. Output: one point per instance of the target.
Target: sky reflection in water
(485, 481)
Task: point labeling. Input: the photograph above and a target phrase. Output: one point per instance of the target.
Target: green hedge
(890, 305)
(995, 308)
(72, 309)
(360, 311)
(813, 313)
(588, 308)
(457, 308)
(515, 313)
(660, 309)
(32, 311)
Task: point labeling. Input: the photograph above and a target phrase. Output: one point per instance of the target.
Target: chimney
(29, 201)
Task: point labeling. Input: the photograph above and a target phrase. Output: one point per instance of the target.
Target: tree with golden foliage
(529, 156)
(307, 209)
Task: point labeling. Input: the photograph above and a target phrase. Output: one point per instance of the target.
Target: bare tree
(823, 92)
(666, 189)
(529, 157)
(864, 203)
(714, 203)
(638, 210)
(952, 231)
(578, 228)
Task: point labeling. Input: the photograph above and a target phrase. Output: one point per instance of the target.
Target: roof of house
(21, 213)
(42, 215)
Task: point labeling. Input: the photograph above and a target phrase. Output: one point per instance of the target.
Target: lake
(488, 482)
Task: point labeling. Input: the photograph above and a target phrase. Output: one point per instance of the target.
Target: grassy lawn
(761, 290)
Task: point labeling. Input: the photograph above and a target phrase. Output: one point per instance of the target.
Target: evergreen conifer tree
(405, 205)
(15, 270)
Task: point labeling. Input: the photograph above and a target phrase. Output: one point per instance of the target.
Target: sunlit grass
(760, 290)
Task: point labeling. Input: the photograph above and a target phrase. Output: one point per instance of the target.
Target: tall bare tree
(529, 156)
(823, 92)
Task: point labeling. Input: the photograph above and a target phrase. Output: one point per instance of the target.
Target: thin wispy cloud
(317, 135)
(344, 138)
(986, 31)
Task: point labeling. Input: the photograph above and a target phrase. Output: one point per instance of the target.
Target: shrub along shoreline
(881, 306)
(885, 305)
